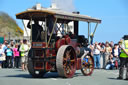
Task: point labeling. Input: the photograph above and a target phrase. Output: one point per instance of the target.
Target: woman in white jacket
(2, 55)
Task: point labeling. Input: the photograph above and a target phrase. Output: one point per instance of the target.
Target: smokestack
(38, 6)
(53, 6)
(66, 5)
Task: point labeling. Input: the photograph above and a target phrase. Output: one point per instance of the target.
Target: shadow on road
(114, 79)
(46, 76)
(20, 76)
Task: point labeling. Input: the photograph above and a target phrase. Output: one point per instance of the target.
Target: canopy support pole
(95, 28)
(88, 31)
(46, 31)
(31, 30)
(52, 31)
(25, 27)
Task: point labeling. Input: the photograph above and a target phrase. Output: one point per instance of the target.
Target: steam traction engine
(58, 47)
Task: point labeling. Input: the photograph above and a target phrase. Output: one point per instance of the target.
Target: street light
(9, 36)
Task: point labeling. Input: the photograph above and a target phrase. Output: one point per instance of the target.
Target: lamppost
(9, 37)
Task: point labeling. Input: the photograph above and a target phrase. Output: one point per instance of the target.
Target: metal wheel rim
(87, 65)
(66, 66)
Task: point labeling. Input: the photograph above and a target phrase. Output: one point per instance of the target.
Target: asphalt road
(99, 77)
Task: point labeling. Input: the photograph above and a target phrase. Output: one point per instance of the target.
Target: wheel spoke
(84, 61)
(89, 60)
(67, 70)
(89, 69)
(72, 61)
(65, 64)
(85, 69)
(65, 59)
(90, 66)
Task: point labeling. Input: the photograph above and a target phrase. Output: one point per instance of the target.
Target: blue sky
(113, 13)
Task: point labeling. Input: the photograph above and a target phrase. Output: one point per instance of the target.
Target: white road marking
(54, 79)
(67, 83)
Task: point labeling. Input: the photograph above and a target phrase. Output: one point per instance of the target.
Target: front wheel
(66, 61)
(87, 64)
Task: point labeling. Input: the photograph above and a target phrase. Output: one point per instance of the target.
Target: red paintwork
(60, 42)
(50, 53)
(78, 63)
(67, 39)
(48, 66)
(47, 53)
(53, 52)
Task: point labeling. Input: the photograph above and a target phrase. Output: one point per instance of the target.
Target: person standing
(12, 46)
(4, 47)
(111, 44)
(1, 55)
(107, 54)
(116, 53)
(24, 55)
(123, 57)
(16, 56)
(9, 56)
(21, 42)
(96, 55)
(102, 57)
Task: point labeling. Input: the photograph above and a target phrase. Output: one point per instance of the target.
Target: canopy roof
(60, 15)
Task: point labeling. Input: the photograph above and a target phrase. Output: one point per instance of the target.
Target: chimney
(54, 6)
(38, 6)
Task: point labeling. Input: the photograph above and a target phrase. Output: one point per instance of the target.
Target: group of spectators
(106, 55)
(15, 54)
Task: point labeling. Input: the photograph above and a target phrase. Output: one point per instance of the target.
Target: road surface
(99, 77)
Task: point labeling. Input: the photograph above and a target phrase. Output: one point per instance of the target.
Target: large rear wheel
(33, 72)
(87, 64)
(66, 61)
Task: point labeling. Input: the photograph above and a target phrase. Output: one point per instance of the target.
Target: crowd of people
(106, 55)
(14, 55)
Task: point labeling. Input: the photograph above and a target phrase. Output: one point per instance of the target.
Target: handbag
(2, 58)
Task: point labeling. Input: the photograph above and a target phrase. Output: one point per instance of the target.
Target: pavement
(99, 77)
